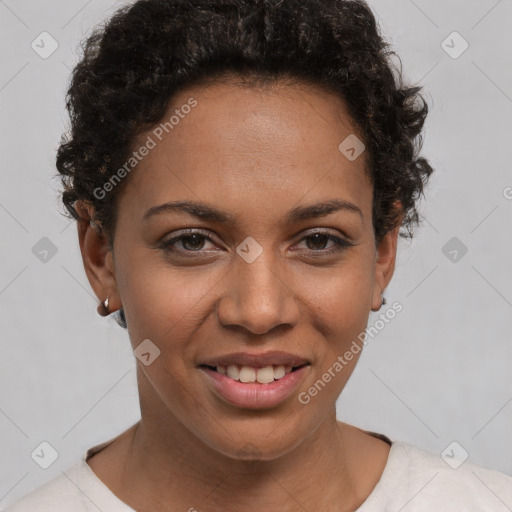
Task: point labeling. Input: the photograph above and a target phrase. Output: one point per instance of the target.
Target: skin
(253, 153)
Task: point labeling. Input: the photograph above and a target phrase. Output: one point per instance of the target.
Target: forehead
(231, 140)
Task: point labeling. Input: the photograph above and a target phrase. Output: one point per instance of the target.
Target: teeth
(279, 372)
(266, 375)
(248, 374)
(233, 372)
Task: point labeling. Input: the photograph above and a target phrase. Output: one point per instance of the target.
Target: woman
(240, 172)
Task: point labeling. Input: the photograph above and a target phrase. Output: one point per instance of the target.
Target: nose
(257, 297)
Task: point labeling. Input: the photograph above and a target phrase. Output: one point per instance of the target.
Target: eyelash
(341, 244)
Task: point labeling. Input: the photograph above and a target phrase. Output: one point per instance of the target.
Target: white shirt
(413, 480)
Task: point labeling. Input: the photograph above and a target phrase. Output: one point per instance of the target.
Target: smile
(248, 374)
(242, 386)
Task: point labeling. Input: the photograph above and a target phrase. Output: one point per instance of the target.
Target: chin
(255, 441)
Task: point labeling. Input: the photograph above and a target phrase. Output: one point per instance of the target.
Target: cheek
(341, 306)
(342, 298)
(162, 303)
(166, 306)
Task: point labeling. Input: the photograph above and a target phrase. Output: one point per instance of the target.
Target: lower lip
(255, 395)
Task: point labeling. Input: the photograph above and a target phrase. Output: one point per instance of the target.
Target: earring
(120, 318)
(382, 303)
(117, 315)
(103, 308)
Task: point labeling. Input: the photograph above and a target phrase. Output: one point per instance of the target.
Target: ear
(384, 265)
(97, 257)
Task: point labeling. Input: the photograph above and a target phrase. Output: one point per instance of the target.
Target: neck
(181, 470)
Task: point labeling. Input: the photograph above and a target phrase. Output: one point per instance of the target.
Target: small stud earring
(382, 303)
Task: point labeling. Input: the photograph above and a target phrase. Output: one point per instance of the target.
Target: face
(276, 253)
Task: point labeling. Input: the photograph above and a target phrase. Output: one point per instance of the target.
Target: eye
(316, 242)
(190, 240)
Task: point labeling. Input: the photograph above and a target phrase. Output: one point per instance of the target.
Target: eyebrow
(206, 212)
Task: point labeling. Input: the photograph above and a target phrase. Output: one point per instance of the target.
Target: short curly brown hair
(147, 51)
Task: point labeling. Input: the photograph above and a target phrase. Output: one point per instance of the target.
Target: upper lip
(256, 360)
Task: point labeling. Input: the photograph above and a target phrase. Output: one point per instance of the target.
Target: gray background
(438, 373)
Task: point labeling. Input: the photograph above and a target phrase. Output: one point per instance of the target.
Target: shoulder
(59, 494)
(77, 489)
(419, 481)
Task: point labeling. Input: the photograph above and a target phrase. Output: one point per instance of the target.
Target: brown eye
(316, 243)
(194, 242)
(191, 241)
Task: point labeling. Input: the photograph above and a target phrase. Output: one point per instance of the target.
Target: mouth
(254, 387)
(251, 374)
